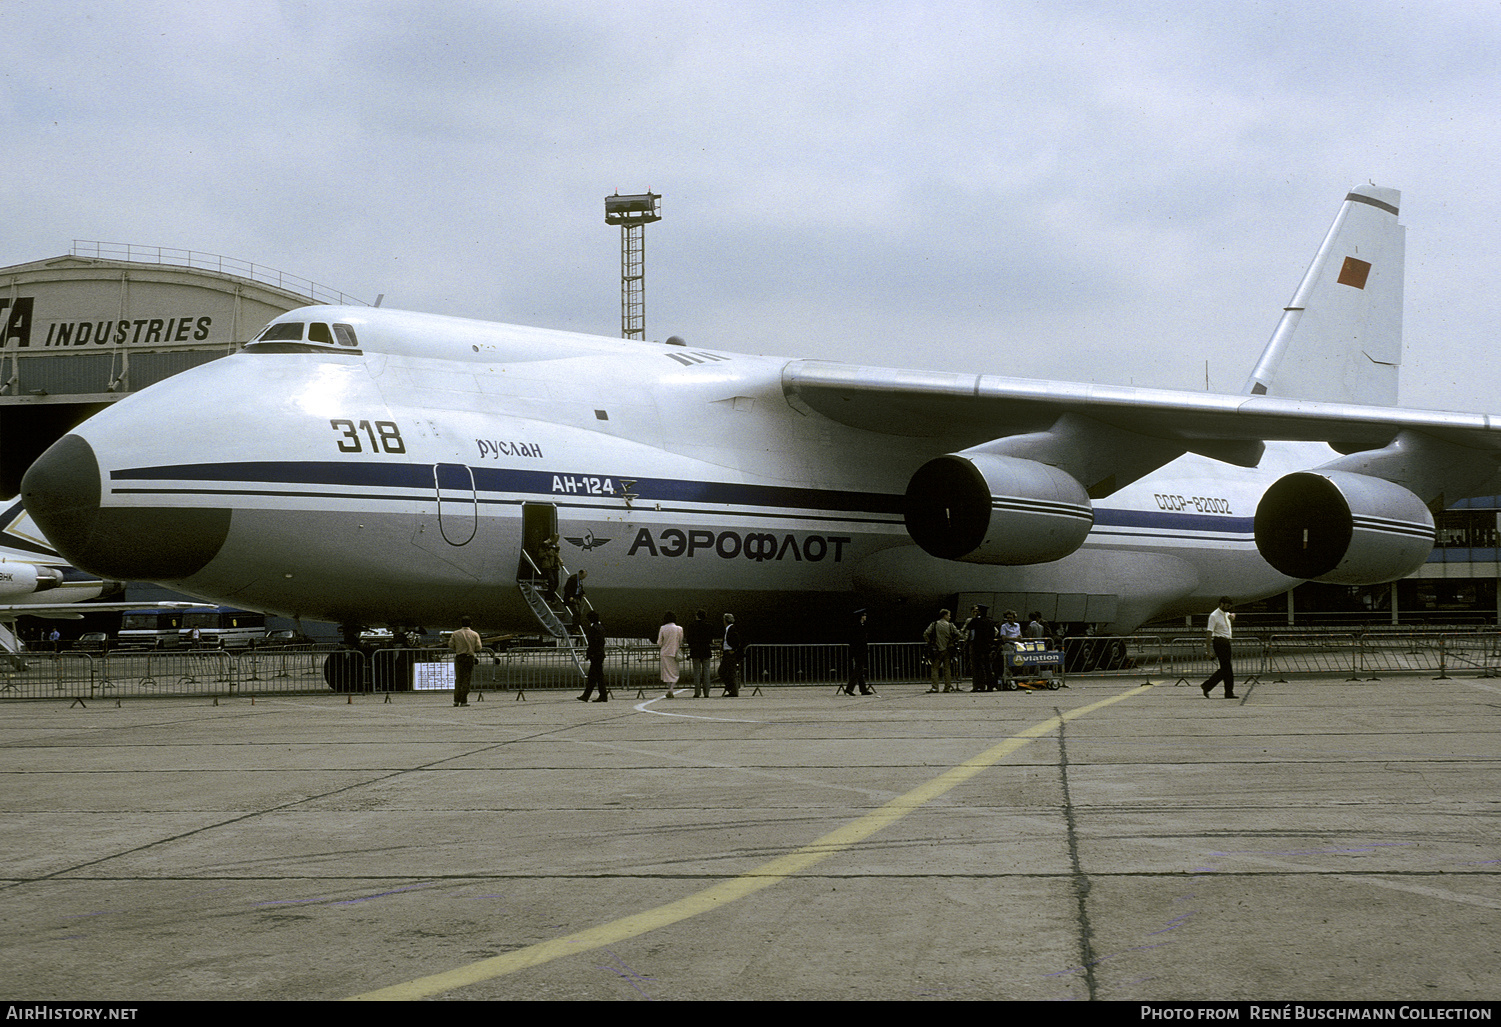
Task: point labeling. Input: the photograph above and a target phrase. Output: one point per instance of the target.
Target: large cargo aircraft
(368, 467)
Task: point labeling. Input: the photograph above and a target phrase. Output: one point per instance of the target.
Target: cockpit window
(287, 337)
(282, 331)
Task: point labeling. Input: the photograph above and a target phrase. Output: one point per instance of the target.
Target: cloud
(1082, 190)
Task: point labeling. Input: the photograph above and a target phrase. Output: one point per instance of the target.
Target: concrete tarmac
(1311, 840)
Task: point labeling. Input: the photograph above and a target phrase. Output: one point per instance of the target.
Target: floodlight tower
(633, 214)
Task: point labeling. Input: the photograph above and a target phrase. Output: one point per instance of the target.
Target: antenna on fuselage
(379, 298)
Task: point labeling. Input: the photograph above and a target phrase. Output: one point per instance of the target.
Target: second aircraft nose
(63, 492)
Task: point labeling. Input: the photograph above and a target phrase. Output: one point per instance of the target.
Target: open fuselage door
(539, 575)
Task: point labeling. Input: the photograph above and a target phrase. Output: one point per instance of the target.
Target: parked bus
(151, 628)
(222, 627)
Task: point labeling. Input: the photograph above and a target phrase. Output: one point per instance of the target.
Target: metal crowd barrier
(1332, 653)
(125, 672)
(1190, 661)
(827, 663)
(626, 667)
(822, 663)
(632, 670)
(1129, 656)
(1478, 653)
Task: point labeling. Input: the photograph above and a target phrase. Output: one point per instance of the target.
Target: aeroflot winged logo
(588, 541)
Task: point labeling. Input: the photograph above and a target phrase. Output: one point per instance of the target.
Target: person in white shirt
(1010, 629)
(1008, 633)
(669, 638)
(1220, 622)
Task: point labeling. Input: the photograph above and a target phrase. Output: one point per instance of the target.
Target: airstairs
(554, 617)
(10, 648)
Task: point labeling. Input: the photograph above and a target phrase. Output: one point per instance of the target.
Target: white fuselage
(393, 484)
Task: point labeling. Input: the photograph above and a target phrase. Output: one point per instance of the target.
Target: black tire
(344, 671)
(1115, 654)
(393, 674)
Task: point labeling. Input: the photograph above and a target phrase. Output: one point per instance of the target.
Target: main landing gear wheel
(344, 671)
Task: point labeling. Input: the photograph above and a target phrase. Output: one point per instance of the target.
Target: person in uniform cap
(981, 635)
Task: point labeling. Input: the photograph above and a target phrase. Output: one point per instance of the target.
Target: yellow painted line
(720, 895)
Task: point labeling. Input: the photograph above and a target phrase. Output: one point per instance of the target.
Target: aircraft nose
(62, 493)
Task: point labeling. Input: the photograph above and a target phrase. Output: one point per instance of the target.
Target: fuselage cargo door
(458, 515)
(539, 526)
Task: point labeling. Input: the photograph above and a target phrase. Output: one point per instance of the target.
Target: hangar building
(82, 330)
(107, 319)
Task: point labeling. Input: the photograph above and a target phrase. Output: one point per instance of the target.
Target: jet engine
(1341, 527)
(22, 579)
(986, 508)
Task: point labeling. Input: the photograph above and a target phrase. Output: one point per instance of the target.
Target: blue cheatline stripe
(1178, 521)
(231, 479)
(1170, 536)
(300, 472)
(368, 474)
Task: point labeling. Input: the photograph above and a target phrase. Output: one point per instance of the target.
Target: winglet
(1340, 337)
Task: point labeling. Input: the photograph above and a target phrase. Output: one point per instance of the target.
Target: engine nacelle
(22, 579)
(1349, 529)
(984, 508)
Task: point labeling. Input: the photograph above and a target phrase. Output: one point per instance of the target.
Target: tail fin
(1340, 338)
(19, 532)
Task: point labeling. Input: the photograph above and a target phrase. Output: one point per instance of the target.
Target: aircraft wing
(1106, 437)
(934, 404)
(75, 611)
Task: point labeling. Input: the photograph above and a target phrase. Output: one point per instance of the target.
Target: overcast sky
(1092, 191)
